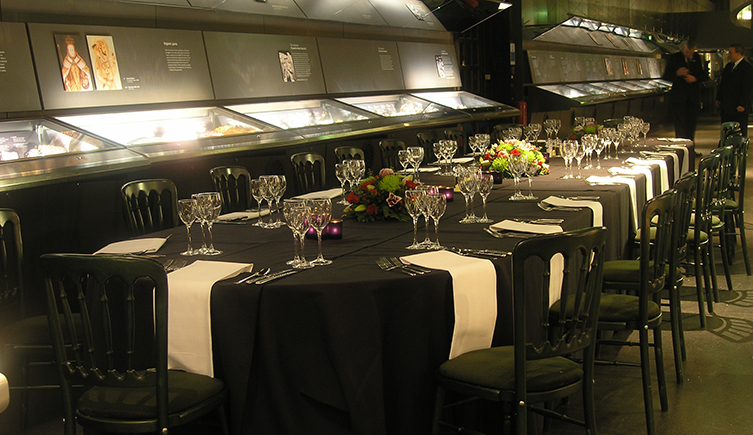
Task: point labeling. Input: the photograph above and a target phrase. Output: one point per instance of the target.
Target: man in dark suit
(686, 71)
(736, 89)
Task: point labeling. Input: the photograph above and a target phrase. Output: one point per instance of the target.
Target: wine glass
(579, 153)
(515, 132)
(417, 156)
(320, 212)
(295, 211)
(549, 127)
(557, 124)
(516, 163)
(645, 128)
(568, 152)
(210, 205)
(607, 134)
(436, 148)
(202, 224)
(437, 206)
(358, 170)
(530, 169)
(424, 205)
(404, 158)
(255, 185)
(467, 184)
(267, 191)
(535, 130)
(450, 148)
(412, 204)
(279, 190)
(589, 143)
(341, 172)
(187, 213)
(599, 145)
(485, 184)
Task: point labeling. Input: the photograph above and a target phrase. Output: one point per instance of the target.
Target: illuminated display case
(401, 106)
(191, 131)
(35, 151)
(465, 102)
(585, 93)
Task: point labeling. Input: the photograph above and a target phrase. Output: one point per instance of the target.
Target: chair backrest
(150, 205)
(426, 141)
(233, 184)
(309, 172)
(727, 129)
(458, 136)
(349, 153)
(685, 191)
(658, 212)
(573, 328)
(122, 303)
(723, 187)
(739, 166)
(389, 149)
(11, 258)
(705, 194)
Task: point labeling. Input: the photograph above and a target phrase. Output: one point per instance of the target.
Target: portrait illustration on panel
(75, 71)
(625, 68)
(286, 64)
(104, 62)
(608, 64)
(440, 67)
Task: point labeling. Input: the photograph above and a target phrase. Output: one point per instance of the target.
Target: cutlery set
(173, 265)
(395, 263)
(542, 221)
(264, 276)
(508, 234)
(480, 252)
(548, 207)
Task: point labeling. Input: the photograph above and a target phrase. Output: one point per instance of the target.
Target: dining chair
(121, 356)
(639, 308)
(458, 136)
(349, 153)
(426, 141)
(728, 129)
(498, 132)
(734, 206)
(309, 171)
(233, 184)
(150, 205)
(535, 369)
(389, 149)
(719, 208)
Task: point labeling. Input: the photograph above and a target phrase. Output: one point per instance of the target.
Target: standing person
(735, 89)
(686, 71)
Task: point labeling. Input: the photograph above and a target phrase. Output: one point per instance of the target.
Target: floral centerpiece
(380, 197)
(588, 128)
(496, 158)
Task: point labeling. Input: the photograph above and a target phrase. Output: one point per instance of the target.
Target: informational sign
(429, 66)
(253, 65)
(91, 66)
(18, 86)
(356, 65)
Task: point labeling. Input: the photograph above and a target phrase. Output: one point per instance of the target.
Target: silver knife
(276, 275)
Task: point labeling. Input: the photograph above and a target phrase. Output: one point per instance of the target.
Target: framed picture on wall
(74, 69)
(104, 62)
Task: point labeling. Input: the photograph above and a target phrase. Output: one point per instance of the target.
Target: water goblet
(515, 132)
(267, 191)
(255, 185)
(589, 143)
(320, 212)
(279, 191)
(599, 147)
(358, 168)
(516, 164)
(623, 133)
(557, 126)
(645, 128)
(404, 158)
(424, 205)
(549, 127)
(437, 206)
(579, 153)
(412, 200)
(295, 211)
(531, 168)
(417, 156)
(568, 152)
(436, 147)
(535, 132)
(467, 184)
(341, 172)
(485, 184)
(210, 205)
(450, 148)
(187, 213)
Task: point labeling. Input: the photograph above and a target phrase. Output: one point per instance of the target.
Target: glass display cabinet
(468, 103)
(406, 107)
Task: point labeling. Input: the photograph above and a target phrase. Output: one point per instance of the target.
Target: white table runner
(645, 170)
(662, 166)
(189, 324)
(686, 156)
(621, 180)
(595, 206)
(474, 287)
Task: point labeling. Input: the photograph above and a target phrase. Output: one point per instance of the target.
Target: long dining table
(348, 348)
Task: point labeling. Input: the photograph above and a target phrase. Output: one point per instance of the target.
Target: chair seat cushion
(186, 390)
(627, 271)
(623, 308)
(730, 204)
(715, 221)
(702, 237)
(33, 331)
(494, 368)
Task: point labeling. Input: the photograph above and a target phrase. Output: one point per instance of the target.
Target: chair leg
(725, 258)
(648, 398)
(675, 317)
(438, 407)
(712, 273)
(698, 286)
(589, 413)
(740, 221)
(660, 377)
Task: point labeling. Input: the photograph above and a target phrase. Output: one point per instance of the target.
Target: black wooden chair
(719, 208)
(150, 205)
(309, 171)
(389, 149)
(734, 206)
(426, 141)
(233, 184)
(728, 129)
(535, 369)
(640, 308)
(122, 353)
(458, 136)
(349, 153)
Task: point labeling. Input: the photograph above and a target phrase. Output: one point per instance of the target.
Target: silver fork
(385, 264)
(411, 267)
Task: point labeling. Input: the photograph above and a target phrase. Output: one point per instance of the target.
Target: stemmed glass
(607, 135)
(404, 158)
(485, 184)
(535, 130)
(617, 137)
(449, 150)
(468, 185)
(599, 144)
(210, 205)
(341, 172)
(412, 204)
(255, 185)
(320, 212)
(568, 152)
(515, 132)
(549, 127)
(187, 213)
(517, 163)
(483, 142)
(267, 192)
(357, 171)
(424, 205)
(531, 168)
(623, 131)
(579, 153)
(645, 128)
(589, 143)
(437, 206)
(296, 212)
(417, 156)
(279, 186)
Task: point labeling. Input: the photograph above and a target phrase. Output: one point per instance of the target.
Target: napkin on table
(134, 246)
(474, 287)
(645, 170)
(685, 159)
(331, 193)
(595, 206)
(241, 215)
(675, 159)
(525, 227)
(189, 329)
(621, 180)
(662, 166)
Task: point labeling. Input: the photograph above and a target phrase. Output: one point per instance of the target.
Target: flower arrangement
(589, 128)
(497, 156)
(380, 197)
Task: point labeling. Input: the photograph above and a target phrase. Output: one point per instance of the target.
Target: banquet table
(349, 348)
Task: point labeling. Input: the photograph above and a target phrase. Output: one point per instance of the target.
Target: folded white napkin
(331, 193)
(675, 159)
(662, 166)
(645, 170)
(674, 139)
(134, 246)
(474, 287)
(621, 180)
(189, 330)
(242, 215)
(428, 169)
(685, 160)
(595, 206)
(525, 227)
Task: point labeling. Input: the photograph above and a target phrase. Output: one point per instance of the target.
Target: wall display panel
(17, 84)
(91, 66)
(283, 8)
(427, 66)
(556, 67)
(349, 11)
(250, 65)
(356, 65)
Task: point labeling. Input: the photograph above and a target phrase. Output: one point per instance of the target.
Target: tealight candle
(496, 176)
(334, 229)
(448, 193)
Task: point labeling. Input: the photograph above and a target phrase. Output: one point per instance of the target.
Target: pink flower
(393, 200)
(385, 172)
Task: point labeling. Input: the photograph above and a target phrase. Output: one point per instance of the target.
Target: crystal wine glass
(531, 168)
(599, 144)
(255, 185)
(580, 152)
(202, 224)
(424, 205)
(294, 211)
(320, 212)
(300, 220)
(516, 163)
(267, 189)
(467, 184)
(417, 156)
(187, 213)
(485, 184)
(568, 152)
(437, 206)
(210, 205)
(280, 186)
(412, 204)
(341, 172)
(645, 128)
(404, 158)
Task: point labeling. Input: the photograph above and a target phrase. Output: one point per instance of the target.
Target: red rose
(372, 209)
(515, 152)
(352, 198)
